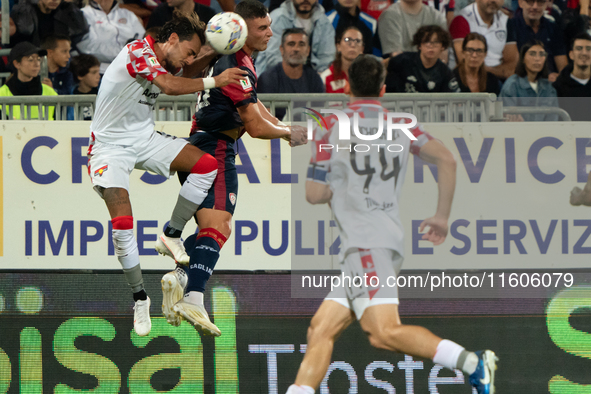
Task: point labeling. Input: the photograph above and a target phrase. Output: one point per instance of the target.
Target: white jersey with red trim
(125, 101)
(366, 179)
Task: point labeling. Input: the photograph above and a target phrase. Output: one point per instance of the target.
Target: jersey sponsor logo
(232, 197)
(246, 86)
(101, 170)
(150, 95)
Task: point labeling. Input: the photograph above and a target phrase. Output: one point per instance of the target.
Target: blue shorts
(224, 191)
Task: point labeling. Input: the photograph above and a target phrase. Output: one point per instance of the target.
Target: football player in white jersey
(123, 138)
(363, 194)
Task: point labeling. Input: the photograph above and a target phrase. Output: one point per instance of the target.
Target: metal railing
(439, 107)
(25, 104)
(562, 114)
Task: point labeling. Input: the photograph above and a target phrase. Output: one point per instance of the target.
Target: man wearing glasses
(531, 23)
(485, 17)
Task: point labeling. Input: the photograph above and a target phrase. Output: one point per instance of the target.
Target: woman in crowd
(529, 86)
(25, 60)
(349, 45)
(470, 73)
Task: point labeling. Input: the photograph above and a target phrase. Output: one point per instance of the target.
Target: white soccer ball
(226, 32)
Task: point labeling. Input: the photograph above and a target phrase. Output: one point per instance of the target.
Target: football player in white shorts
(363, 194)
(122, 138)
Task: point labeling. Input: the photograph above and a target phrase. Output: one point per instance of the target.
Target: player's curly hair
(185, 26)
(366, 76)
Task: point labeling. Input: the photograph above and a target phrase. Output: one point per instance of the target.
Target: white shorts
(109, 165)
(380, 267)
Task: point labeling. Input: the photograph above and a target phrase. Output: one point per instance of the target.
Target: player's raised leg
(202, 169)
(326, 326)
(117, 200)
(385, 331)
(204, 251)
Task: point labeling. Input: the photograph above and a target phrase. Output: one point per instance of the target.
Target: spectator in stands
(349, 45)
(575, 20)
(347, 13)
(37, 20)
(163, 13)
(471, 73)
(25, 59)
(422, 71)
(446, 7)
(309, 15)
(141, 8)
(374, 8)
(58, 57)
(399, 23)
(573, 80)
(529, 86)
(485, 17)
(530, 23)
(86, 71)
(11, 26)
(292, 75)
(110, 28)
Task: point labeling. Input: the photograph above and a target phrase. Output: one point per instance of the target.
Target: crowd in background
(528, 52)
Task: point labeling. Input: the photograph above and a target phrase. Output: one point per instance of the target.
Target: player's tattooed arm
(435, 152)
(174, 86)
(580, 196)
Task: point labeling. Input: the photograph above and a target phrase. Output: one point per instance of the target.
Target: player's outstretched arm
(257, 126)
(580, 196)
(435, 152)
(175, 86)
(298, 136)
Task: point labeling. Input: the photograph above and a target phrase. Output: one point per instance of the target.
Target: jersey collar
(365, 102)
(480, 22)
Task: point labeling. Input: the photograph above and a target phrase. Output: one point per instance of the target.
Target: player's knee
(214, 234)
(316, 334)
(383, 337)
(123, 239)
(205, 165)
(321, 331)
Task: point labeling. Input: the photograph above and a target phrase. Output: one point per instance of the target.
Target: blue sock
(204, 252)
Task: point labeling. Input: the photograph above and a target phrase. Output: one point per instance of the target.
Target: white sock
(295, 389)
(447, 354)
(194, 297)
(470, 363)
